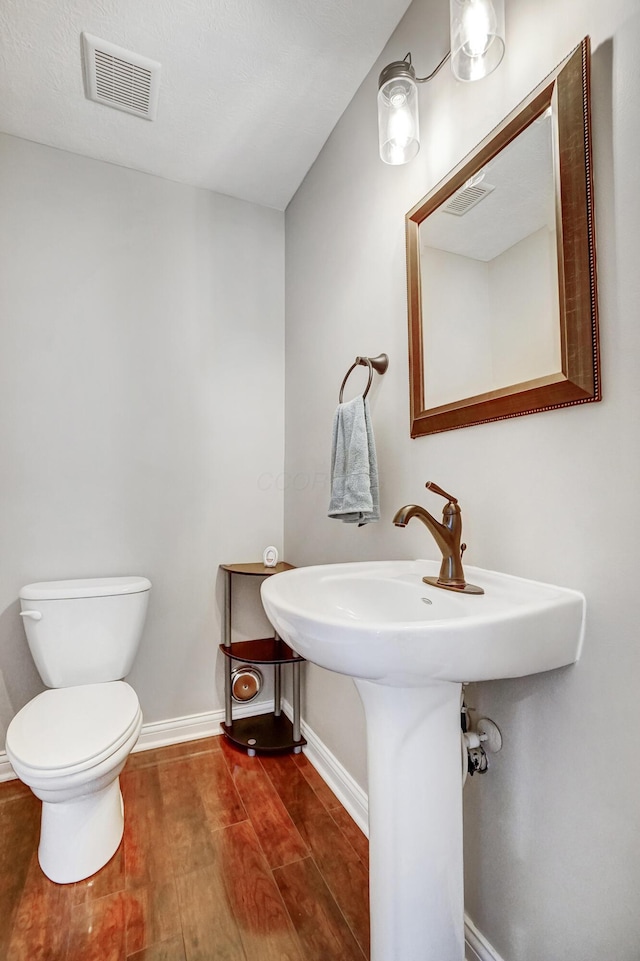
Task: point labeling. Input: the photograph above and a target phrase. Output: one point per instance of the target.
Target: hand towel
(354, 469)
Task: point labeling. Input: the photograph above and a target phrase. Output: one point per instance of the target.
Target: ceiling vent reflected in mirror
(120, 78)
(470, 195)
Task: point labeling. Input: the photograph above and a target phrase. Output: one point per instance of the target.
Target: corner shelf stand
(262, 733)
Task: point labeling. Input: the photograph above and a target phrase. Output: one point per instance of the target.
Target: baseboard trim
(6, 771)
(193, 727)
(335, 775)
(478, 948)
(207, 724)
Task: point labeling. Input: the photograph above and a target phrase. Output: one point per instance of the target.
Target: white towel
(354, 469)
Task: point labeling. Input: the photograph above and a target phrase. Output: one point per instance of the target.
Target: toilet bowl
(69, 746)
(70, 743)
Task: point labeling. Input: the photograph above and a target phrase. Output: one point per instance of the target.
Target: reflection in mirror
(488, 262)
(502, 307)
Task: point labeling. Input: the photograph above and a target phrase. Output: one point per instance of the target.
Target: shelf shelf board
(264, 733)
(258, 570)
(263, 650)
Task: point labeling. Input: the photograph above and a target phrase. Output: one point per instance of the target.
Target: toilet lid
(84, 587)
(69, 727)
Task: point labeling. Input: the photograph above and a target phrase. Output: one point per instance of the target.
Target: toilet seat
(67, 730)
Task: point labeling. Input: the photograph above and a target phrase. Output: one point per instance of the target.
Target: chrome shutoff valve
(486, 738)
(477, 760)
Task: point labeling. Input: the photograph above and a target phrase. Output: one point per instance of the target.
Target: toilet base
(79, 836)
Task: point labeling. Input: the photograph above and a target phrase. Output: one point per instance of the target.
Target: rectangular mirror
(501, 268)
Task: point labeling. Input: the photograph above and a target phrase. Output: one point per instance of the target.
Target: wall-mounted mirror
(501, 268)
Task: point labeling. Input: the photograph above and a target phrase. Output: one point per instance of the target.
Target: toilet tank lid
(84, 587)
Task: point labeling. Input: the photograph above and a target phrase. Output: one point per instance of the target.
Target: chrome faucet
(447, 536)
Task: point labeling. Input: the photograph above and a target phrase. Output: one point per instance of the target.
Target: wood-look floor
(224, 857)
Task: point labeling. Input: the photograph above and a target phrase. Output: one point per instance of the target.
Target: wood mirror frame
(566, 92)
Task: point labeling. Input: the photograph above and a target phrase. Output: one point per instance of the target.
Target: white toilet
(69, 744)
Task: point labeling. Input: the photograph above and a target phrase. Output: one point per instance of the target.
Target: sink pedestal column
(415, 821)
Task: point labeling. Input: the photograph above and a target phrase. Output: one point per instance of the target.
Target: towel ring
(379, 363)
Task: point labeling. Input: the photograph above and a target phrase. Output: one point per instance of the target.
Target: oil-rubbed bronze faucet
(447, 536)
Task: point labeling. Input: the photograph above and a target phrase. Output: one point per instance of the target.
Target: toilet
(70, 743)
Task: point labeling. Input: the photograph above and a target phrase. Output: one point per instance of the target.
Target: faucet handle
(432, 486)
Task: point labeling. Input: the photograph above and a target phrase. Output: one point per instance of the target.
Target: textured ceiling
(522, 203)
(250, 89)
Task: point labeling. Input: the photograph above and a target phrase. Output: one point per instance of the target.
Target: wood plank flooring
(224, 858)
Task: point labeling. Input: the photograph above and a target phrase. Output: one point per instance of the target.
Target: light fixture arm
(433, 72)
(405, 68)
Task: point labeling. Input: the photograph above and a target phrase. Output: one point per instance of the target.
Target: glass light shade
(398, 123)
(477, 37)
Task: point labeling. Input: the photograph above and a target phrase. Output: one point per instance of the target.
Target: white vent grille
(119, 78)
(466, 198)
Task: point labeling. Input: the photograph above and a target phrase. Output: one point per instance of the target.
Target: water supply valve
(477, 760)
(477, 744)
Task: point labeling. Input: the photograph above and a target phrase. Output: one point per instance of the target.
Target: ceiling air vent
(466, 198)
(119, 78)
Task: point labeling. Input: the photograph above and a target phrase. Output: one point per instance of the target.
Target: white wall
(489, 324)
(553, 832)
(525, 317)
(141, 395)
(457, 343)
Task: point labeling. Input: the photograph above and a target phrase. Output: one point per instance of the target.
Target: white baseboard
(347, 790)
(175, 730)
(6, 771)
(478, 948)
(336, 776)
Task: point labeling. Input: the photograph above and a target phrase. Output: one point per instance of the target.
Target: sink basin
(409, 646)
(378, 620)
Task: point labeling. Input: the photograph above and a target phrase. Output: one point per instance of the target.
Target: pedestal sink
(409, 646)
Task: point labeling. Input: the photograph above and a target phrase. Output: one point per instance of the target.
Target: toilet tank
(84, 631)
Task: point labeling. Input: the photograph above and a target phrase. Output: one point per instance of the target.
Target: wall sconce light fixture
(477, 47)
